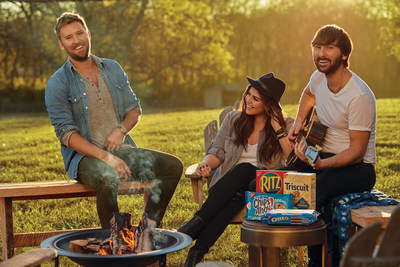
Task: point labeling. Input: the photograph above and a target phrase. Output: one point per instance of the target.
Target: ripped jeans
(225, 199)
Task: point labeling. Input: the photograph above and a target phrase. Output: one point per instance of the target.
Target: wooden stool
(266, 240)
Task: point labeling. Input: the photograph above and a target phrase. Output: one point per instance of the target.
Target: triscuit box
(302, 186)
(269, 181)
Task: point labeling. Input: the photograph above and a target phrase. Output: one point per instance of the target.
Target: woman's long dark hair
(244, 126)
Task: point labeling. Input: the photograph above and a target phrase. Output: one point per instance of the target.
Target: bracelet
(280, 131)
(282, 135)
(122, 128)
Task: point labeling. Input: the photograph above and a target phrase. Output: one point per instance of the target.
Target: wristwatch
(123, 129)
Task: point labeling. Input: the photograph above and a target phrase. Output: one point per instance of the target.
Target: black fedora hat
(268, 85)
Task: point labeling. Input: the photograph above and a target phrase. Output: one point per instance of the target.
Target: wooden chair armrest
(375, 262)
(197, 184)
(33, 257)
(191, 172)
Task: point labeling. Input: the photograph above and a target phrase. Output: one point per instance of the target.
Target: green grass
(29, 151)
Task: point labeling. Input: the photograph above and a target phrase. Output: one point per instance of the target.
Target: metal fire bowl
(174, 241)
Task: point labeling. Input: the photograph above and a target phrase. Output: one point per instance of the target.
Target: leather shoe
(194, 257)
(193, 227)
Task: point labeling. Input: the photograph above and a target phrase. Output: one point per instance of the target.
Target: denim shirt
(68, 107)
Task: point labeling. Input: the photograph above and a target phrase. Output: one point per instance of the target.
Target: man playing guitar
(346, 105)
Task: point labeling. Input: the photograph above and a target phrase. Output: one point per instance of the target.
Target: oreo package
(290, 217)
(258, 204)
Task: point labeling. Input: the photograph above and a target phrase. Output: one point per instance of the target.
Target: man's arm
(354, 154)
(83, 146)
(307, 101)
(116, 137)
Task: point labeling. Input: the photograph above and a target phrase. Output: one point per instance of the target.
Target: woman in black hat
(250, 139)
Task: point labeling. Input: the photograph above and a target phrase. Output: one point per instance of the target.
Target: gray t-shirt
(102, 116)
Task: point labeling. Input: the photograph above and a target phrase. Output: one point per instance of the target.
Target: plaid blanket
(338, 219)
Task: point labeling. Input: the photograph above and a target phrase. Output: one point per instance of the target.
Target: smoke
(142, 164)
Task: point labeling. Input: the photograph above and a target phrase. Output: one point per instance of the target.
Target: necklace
(336, 90)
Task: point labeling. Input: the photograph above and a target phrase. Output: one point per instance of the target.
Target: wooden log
(118, 222)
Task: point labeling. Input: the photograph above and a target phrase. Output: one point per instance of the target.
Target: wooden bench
(10, 192)
(364, 216)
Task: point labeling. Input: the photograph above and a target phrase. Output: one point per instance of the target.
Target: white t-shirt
(352, 108)
(249, 155)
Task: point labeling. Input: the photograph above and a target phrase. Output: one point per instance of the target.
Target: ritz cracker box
(270, 181)
(302, 186)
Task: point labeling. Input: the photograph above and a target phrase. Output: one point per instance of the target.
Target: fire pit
(173, 241)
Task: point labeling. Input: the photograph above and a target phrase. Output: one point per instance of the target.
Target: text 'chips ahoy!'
(258, 204)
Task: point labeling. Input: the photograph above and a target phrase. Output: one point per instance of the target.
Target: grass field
(29, 151)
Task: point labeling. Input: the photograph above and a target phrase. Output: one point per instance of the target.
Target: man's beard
(79, 58)
(332, 68)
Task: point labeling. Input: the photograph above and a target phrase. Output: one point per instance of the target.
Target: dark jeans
(331, 183)
(145, 165)
(224, 200)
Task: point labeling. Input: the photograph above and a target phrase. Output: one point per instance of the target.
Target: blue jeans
(145, 165)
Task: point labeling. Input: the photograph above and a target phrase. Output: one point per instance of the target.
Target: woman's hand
(203, 170)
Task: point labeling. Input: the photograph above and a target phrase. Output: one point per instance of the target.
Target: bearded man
(93, 108)
(346, 105)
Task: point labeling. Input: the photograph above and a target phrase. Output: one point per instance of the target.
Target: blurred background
(186, 53)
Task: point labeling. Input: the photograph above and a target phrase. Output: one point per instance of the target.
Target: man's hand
(293, 133)
(121, 169)
(114, 140)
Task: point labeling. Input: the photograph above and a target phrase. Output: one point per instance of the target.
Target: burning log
(91, 246)
(120, 233)
(122, 240)
(143, 236)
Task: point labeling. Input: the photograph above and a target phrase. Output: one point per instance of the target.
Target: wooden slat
(209, 134)
(34, 239)
(61, 189)
(34, 257)
(6, 227)
(223, 114)
(366, 215)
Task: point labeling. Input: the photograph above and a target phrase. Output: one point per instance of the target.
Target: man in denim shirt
(92, 108)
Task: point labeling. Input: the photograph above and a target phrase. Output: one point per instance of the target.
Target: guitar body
(312, 131)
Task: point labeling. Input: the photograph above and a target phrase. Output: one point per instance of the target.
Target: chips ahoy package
(258, 204)
(290, 217)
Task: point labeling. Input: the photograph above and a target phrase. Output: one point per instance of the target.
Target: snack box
(290, 217)
(270, 181)
(258, 204)
(302, 185)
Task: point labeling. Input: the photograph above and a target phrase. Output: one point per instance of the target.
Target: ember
(122, 239)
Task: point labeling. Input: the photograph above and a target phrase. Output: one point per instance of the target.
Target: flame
(129, 238)
(103, 252)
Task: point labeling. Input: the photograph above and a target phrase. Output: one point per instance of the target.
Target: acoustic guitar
(313, 132)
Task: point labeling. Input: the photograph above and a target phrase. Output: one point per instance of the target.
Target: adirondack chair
(210, 132)
(361, 249)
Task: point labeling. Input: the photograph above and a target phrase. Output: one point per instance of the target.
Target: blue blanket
(338, 217)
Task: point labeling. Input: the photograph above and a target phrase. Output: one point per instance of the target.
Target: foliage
(173, 50)
(30, 152)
